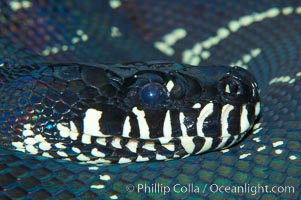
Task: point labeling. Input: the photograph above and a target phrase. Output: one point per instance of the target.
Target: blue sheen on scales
(130, 112)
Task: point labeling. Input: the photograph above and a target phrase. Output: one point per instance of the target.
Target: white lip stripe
(126, 127)
(160, 157)
(124, 160)
(132, 145)
(224, 119)
(86, 139)
(101, 141)
(207, 145)
(188, 144)
(183, 127)
(91, 123)
(141, 159)
(144, 129)
(257, 108)
(116, 143)
(164, 140)
(167, 131)
(169, 146)
(206, 111)
(244, 122)
(97, 153)
(74, 132)
(149, 146)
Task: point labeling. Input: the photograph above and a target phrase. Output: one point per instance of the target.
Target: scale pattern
(265, 38)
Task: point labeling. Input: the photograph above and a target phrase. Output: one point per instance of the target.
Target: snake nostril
(152, 95)
(232, 88)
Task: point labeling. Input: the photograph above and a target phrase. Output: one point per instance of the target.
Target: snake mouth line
(130, 113)
(188, 140)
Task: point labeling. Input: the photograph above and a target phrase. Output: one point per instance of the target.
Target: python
(131, 112)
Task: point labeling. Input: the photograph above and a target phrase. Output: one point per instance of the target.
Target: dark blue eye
(152, 95)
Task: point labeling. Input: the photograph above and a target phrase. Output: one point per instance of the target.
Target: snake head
(196, 108)
(215, 101)
(128, 112)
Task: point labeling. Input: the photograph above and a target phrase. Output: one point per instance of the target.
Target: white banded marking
(278, 143)
(183, 127)
(101, 141)
(91, 123)
(188, 144)
(278, 151)
(126, 127)
(142, 159)
(97, 153)
(143, 127)
(46, 154)
(169, 146)
(261, 148)
(116, 143)
(39, 138)
(18, 145)
(235, 139)
(30, 141)
(246, 58)
(149, 146)
(205, 112)
(257, 108)
(207, 145)
(164, 140)
(62, 153)
(31, 149)
(64, 131)
(196, 105)
(124, 160)
(60, 145)
(244, 155)
(104, 177)
(45, 146)
(224, 119)
(86, 139)
(222, 143)
(293, 157)
(97, 186)
(132, 145)
(244, 122)
(76, 150)
(169, 85)
(167, 130)
(27, 133)
(189, 55)
(82, 157)
(169, 40)
(74, 132)
(160, 157)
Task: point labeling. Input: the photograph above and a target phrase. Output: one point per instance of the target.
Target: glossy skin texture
(126, 112)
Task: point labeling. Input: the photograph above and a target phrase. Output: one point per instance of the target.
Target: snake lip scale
(130, 112)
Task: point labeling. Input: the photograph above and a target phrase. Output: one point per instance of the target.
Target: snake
(126, 112)
(263, 38)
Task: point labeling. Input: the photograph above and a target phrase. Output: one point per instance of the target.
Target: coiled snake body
(262, 37)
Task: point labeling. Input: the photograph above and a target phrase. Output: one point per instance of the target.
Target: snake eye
(152, 95)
